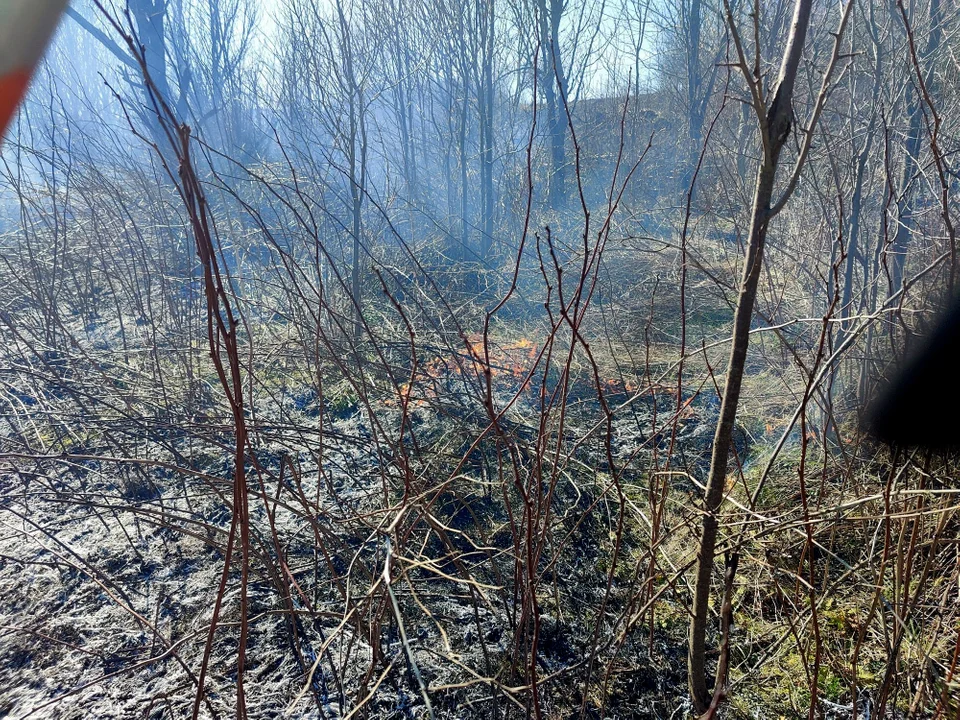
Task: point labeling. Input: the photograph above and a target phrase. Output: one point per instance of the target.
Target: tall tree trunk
(696, 106)
(356, 198)
(774, 129)
(464, 179)
(357, 162)
(403, 107)
(853, 232)
(555, 93)
(911, 168)
(486, 132)
(854, 250)
(150, 17)
(450, 113)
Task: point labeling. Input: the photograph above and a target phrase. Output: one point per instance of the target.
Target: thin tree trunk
(775, 128)
(150, 16)
(357, 162)
(554, 90)
(911, 168)
(464, 179)
(854, 250)
(558, 131)
(695, 105)
(486, 133)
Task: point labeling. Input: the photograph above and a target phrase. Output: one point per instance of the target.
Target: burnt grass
(109, 569)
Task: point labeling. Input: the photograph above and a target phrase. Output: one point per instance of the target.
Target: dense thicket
(498, 358)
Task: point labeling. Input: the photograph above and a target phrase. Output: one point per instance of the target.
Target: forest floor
(109, 569)
(113, 535)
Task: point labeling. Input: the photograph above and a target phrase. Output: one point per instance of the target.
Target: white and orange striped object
(25, 30)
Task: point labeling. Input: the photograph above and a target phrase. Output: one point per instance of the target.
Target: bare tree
(775, 119)
(328, 67)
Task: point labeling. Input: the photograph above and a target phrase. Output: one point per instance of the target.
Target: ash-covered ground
(111, 565)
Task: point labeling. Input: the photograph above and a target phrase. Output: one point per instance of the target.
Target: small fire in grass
(516, 365)
(515, 359)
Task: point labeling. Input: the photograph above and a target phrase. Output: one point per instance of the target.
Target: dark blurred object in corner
(921, 408)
